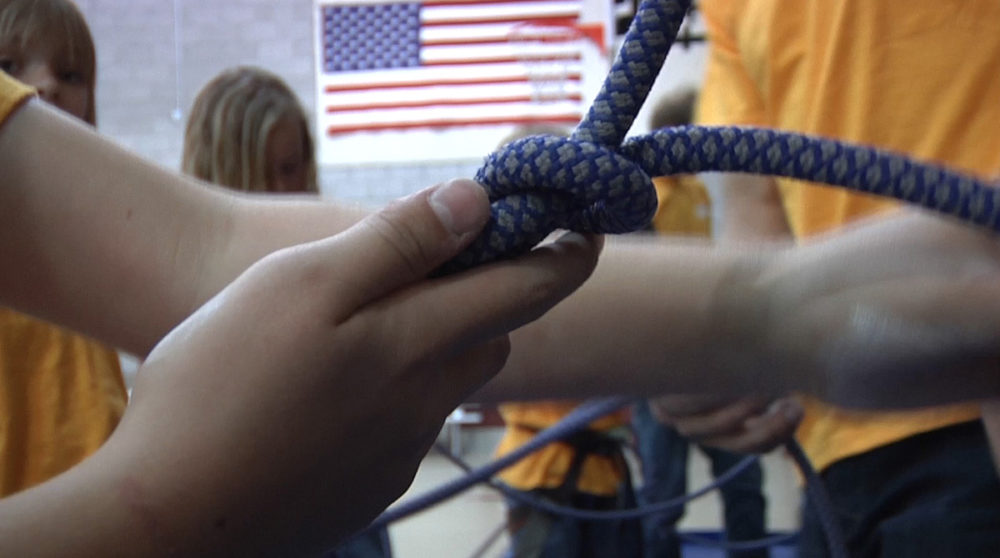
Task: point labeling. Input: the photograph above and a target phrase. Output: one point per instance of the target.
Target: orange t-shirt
(897, 74)
(61, 395)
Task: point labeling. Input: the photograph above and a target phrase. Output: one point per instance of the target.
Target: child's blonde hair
(24, 23)
(225, 141)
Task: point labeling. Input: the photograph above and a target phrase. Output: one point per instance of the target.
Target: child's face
(286, 157)
(43, 68)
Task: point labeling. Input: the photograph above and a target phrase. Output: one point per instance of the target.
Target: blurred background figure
(248, 131)
(912, 78)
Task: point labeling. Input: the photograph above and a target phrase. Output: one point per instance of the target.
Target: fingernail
(460, 205)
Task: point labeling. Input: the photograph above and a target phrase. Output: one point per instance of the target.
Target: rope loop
(582, 183)
(542, 183)
(605, 191)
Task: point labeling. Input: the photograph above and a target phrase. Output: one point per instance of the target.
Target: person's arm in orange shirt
(751, 210)
(851, 318)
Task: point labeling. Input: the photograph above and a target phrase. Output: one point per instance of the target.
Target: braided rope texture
(539, 184)
(591, 182)
(692, 149)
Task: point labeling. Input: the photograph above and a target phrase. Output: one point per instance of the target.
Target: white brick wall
(143, 74)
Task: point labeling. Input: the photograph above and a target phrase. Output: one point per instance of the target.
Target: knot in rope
(582, 183)
(542, 183)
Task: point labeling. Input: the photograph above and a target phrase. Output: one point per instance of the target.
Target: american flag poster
(443, 80)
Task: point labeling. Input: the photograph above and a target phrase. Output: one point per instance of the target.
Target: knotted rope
(543, 183)
(591, 182)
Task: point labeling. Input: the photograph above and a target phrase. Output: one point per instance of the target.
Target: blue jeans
(664, 456)
(932, 494)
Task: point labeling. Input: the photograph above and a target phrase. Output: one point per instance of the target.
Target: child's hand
(738, 424)
(296, 405)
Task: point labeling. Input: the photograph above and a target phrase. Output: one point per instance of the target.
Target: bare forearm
(657, 316)
(79, 513)
(890, 314)
(122, 249)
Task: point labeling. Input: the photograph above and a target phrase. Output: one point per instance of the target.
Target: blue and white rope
(592, 182)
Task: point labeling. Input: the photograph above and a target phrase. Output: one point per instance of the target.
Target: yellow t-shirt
(61, 395)
(917, 76)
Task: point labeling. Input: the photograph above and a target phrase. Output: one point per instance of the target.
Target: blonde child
(248, 131)
(61, 394)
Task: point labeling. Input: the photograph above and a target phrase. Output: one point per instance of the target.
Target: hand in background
(740, 425)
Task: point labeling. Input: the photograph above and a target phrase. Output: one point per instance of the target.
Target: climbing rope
(578, 419)
(593, 182)
(638, 512)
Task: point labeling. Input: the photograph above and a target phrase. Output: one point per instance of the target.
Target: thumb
(407, 240)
